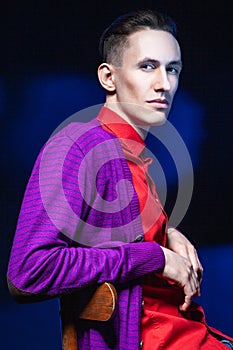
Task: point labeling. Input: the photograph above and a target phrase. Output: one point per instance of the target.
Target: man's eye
(148, 66)
(173, 70)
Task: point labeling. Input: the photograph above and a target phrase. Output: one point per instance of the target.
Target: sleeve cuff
(146, 257)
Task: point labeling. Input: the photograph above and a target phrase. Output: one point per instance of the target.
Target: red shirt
(163, 326)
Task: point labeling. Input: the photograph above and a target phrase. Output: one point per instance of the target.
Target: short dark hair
(115, 37)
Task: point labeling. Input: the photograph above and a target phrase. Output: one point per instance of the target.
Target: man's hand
(179, 244)
(182, 265)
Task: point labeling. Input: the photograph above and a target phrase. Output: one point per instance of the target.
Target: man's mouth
(159, 103)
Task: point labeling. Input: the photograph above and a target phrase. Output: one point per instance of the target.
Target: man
(91, 213)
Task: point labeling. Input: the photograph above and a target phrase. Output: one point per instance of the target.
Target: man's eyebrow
(148, 59)
(176, 63)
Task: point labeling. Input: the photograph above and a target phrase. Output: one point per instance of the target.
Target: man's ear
(106, 76)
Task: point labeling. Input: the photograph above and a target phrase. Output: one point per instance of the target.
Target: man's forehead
(153, 43)
(151, 36)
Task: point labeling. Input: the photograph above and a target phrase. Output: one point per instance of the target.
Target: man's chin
(157, 118)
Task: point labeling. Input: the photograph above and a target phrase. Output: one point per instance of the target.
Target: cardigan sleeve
(45, 261)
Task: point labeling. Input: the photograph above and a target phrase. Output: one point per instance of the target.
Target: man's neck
(141, 130)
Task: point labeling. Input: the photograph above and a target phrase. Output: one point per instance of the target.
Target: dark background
(49, 57)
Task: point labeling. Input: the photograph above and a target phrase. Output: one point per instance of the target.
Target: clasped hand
(182, 265)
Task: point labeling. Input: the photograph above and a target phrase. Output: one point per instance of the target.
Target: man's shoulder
(83, 135)
(87, 132)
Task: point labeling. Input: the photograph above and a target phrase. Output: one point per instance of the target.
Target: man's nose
(161, 81)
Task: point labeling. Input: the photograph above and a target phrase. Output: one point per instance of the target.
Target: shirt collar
(128, 136)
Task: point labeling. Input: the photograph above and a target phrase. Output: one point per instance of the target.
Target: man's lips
(159, 103)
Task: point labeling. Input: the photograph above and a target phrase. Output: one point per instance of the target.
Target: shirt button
(141, 344)
(139, 238)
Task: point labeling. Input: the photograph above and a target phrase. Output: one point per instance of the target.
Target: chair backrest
(100, 307)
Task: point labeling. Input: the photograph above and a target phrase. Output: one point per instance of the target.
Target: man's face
(147, 80)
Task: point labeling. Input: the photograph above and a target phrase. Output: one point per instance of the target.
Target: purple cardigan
(79, 226)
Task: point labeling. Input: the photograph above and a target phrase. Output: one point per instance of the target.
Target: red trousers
(165, 327)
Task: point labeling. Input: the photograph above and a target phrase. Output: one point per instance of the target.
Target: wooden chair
(100, 307)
